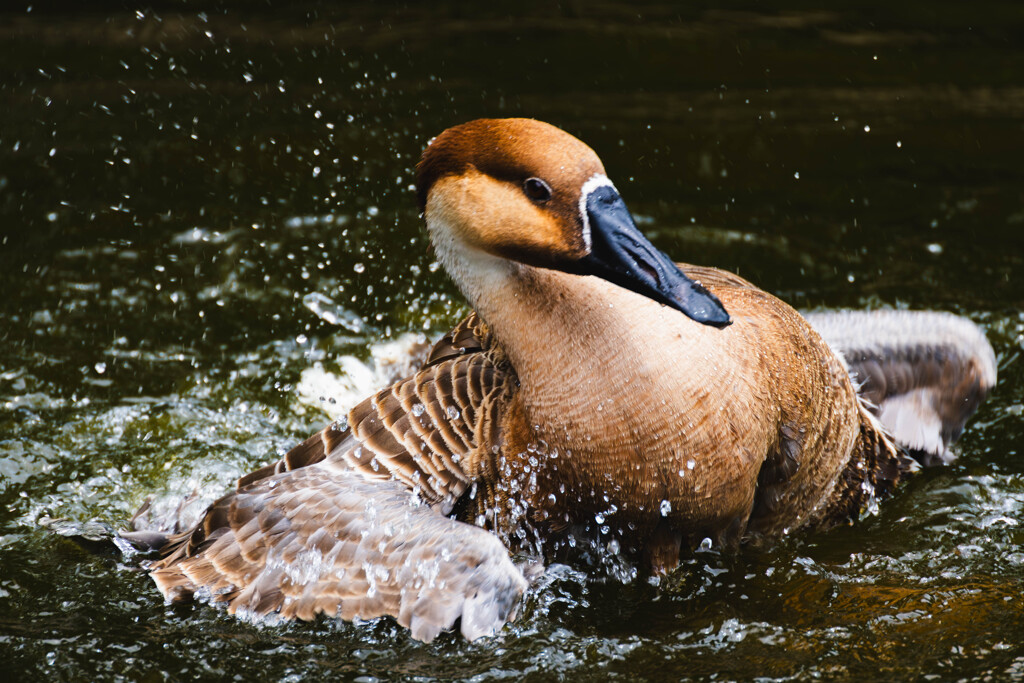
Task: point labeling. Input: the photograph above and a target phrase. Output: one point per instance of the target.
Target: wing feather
(429, 430)
(338, 525)
(471, 335)
(353, 548)
(922, 373)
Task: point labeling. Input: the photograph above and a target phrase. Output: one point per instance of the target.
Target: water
(207, 211)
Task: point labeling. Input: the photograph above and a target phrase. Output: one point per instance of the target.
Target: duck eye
(537, 190)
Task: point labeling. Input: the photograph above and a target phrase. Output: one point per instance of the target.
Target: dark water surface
(200, 203)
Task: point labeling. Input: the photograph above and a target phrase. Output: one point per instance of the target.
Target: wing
(471, 335)
(325, 540)
(922, 373)
(351, 522)
(432, 431)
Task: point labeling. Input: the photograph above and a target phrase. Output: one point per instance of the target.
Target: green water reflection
(176, 182)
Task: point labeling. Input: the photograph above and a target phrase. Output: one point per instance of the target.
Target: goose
(598, 389)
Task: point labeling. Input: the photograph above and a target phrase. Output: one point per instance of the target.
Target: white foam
(389, 361)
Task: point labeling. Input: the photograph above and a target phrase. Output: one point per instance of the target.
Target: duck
(597, 390)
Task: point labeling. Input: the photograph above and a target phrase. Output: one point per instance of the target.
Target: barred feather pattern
(437, 431)
(348, 521)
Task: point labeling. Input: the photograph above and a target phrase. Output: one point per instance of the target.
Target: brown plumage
(594, 381)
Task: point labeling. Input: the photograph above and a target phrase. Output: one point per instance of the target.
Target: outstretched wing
(351, 522)
(432, 431)
(922, 373)
(320, 539)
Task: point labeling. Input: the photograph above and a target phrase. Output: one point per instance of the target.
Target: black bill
(621, 254)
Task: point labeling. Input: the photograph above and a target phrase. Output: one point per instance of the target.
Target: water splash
(327, 310)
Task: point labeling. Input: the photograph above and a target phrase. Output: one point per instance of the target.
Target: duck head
(530, 193)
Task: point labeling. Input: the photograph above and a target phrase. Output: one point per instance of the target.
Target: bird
(597, 390)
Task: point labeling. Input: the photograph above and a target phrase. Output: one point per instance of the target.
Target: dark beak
(621, 254)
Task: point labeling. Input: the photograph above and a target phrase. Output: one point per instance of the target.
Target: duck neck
(564, 334)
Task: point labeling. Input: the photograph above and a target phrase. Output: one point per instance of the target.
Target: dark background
(179, 182)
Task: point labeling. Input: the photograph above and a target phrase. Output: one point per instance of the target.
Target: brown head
(493, 168)
(526, 192)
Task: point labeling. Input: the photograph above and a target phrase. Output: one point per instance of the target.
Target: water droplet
(666, 507)
(328, 311)
(691, 463)
(359, 267)
(100, 368)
